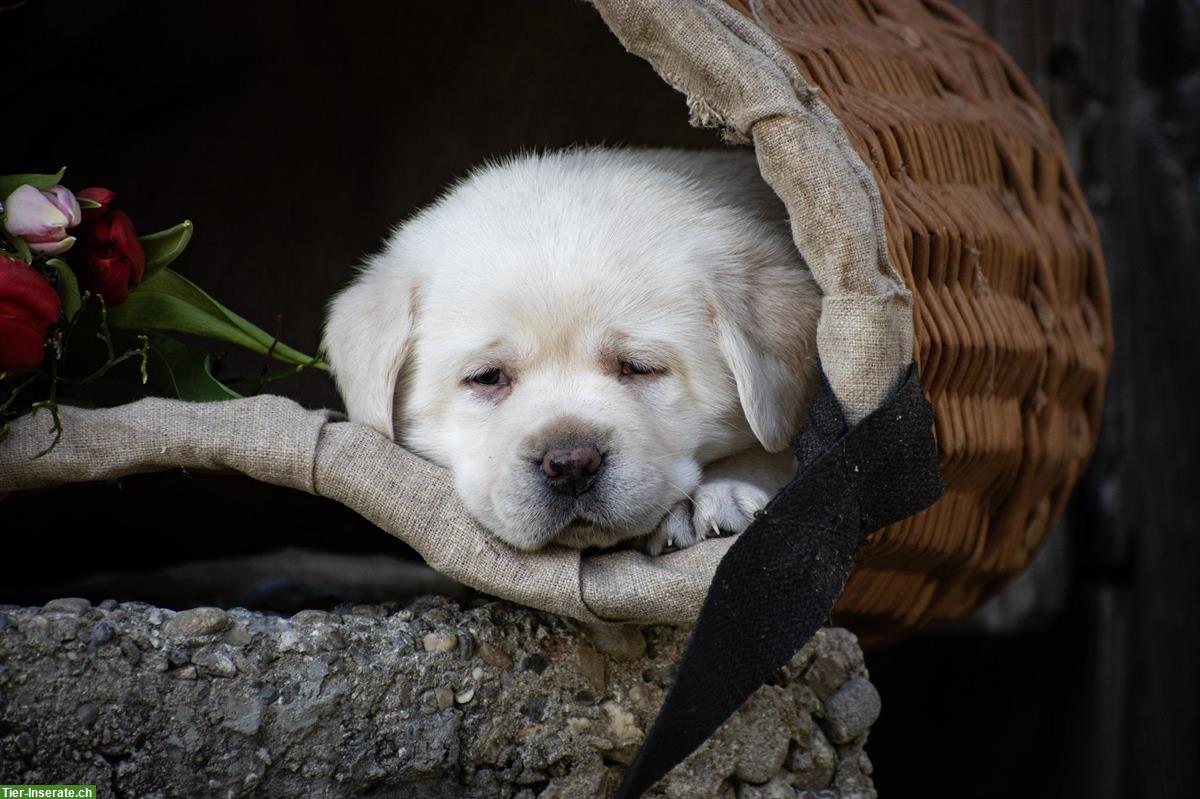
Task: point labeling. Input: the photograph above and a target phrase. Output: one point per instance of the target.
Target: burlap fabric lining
(734, 76)
(900, 137)
(274, 440)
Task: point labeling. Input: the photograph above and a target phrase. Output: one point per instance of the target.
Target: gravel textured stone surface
(431, 700)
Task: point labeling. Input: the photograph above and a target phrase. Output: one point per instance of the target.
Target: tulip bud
(42, 217)
(109, 258)
(101, 197)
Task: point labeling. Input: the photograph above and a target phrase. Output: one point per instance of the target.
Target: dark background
(294, 135)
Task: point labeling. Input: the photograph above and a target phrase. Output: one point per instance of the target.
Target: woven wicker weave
(989, 229)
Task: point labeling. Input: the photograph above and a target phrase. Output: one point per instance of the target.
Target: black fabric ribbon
(778, 583)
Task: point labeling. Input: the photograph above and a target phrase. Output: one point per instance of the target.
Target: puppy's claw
(675, 531)
(727, 505)
(722, 506)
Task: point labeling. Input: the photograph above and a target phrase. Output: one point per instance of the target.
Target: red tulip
(28, 306)
(108, 257)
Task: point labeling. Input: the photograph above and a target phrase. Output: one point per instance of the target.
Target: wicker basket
(947, 175)
(1011, 314)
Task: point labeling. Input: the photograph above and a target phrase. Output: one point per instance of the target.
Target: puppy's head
(575, 336)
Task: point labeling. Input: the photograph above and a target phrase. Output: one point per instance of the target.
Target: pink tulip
(42, 217)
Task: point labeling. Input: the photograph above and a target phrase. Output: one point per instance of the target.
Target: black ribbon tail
(779, 581)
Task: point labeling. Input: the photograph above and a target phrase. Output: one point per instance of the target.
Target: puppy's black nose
(571, 471)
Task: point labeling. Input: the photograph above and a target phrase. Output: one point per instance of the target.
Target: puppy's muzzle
(572, 471)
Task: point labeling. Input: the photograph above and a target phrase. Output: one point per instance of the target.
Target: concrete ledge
(432, 700)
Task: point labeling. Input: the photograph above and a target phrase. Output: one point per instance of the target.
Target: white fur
(557, 268)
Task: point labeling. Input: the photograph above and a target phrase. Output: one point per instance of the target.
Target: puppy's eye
(628, 368)
(492, 377)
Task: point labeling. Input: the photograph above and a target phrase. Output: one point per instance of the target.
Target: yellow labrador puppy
(600, 344)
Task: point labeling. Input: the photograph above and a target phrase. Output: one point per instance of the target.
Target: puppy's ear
(766, 326)
(368, 337)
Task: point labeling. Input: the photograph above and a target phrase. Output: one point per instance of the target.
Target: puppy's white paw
(722, 506)
(731, 491)
(726, 505)
(675, 531)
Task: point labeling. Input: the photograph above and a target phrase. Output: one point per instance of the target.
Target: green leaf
(170, 302)
(84, 202)
(163, 247)
(10, 183)
(18, 244)
(180, 371)
(67, 287)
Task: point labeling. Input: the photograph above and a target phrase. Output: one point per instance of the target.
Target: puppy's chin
(578, 533)
(582, 534)
(530, 518)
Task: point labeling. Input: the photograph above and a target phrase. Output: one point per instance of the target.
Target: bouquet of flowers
(85, 301)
